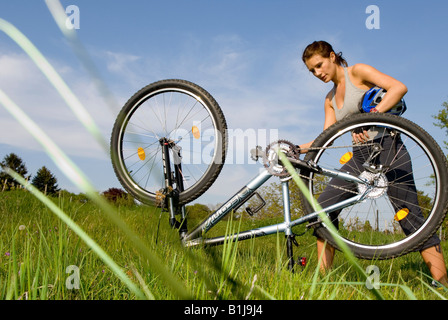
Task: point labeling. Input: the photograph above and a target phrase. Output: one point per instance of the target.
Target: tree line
(44, 180)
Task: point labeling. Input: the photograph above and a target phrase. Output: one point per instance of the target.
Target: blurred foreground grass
(37, 250)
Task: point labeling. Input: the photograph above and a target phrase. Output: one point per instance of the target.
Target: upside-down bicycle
(169, 142)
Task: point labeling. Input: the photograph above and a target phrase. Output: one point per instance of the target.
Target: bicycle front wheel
(174, 112)
(405, 195)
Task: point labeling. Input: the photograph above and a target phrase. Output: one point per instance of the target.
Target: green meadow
(42, 258)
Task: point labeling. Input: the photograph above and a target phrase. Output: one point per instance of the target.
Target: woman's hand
(360, 136)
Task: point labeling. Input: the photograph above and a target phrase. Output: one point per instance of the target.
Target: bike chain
(294, 151)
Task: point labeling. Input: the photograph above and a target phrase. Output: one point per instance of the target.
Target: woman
(350, 84)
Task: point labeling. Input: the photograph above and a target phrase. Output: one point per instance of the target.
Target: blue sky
(246, 53)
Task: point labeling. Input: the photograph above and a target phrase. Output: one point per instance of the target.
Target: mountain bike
(169, 143)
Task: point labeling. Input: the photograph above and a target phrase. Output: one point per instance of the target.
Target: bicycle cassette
(271, 160)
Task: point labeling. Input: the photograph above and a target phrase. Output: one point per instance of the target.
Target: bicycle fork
(172, 194)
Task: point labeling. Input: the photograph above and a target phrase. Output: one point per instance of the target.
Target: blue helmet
(374, 96)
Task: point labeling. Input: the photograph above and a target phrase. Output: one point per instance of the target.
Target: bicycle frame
(195, 237)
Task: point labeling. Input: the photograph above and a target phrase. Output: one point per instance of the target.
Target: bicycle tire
(177, 110)
(433, 204)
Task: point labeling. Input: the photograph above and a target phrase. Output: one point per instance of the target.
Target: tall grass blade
(350, 257)
(72, 225)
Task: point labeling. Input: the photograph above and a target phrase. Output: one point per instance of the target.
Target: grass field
(42, 258)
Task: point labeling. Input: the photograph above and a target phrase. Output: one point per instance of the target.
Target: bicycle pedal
(256, 153)
(301, 261)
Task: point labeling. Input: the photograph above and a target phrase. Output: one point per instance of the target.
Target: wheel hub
(377, 183)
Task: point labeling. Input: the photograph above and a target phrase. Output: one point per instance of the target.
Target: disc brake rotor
(377, 180)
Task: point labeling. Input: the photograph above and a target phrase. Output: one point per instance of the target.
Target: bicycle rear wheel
(409, 179)
(185, 117)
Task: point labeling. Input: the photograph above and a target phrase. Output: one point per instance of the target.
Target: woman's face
(322, 68)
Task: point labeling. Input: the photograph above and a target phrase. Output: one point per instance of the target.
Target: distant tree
(45, 181)
(118, 196)
(198, 211)
(15, 163)
(442, 120)
(113, 194)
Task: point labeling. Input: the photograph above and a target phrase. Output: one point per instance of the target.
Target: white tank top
(353, 96)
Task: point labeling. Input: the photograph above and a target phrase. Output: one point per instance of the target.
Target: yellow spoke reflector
(141, 153)
(400, 215)
(346, 157)
(196, 132)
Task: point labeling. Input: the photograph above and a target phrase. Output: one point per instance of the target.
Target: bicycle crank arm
(301, 164)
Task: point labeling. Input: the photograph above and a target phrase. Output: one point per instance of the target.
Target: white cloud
(31, 91)
(123, 65)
